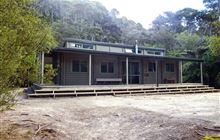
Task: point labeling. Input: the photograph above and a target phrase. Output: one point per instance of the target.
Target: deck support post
(42, 68)
(201, 72)
(127, 70)
(90, 69)
(181, 72)
(156, 72)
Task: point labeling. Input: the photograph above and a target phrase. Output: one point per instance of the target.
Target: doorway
(133, 72)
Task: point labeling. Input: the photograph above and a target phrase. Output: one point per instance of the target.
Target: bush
(7, 98)
(211, 138)
(49, 74)
(217, 80)
(191, 72)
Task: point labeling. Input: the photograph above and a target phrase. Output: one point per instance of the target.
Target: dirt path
(107, 117)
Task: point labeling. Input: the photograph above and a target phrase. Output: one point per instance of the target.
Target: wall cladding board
(170, 75)
(75, 78)
(82, 78)
(98, 59)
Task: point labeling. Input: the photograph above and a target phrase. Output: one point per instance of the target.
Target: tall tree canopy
(192, 33)
(89, 20)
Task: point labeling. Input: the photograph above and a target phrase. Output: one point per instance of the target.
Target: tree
(211, 5)
(214, 41)
(214, 45)
(162, 37)
(169, 21)
(89, 20)
(22, 35)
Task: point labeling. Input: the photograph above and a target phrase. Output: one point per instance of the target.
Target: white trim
(127, 81)
(90, 69)
(42, 67)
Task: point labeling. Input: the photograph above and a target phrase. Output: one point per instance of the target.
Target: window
(72, 45)
(151, 67)
(87, 46)
(128, 51)
(83, 66)
(110, 68)
(78, 45)
(154, 53)
(150, 52)
(169, 67)
(104, 67)
(139, 51)
(107, 67)
(79, 66)
(157, 53)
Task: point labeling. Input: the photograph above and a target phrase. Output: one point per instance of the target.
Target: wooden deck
(82, 90)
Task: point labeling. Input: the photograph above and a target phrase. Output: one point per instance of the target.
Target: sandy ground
(157, 117)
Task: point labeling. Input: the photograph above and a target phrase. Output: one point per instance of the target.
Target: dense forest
(28, 27)
(89, 20)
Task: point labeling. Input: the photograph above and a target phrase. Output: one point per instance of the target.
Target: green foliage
(176, 53)
(22, 36)
(214, 45)
(7, 100)
(211, 4)
(27, 71)
(49, 74)
(217, 79)
(169, 21)
(191, 33)
(164, 38)
(188, 41)
(211, 138)
(191, 72)
(153, 46)
(214, 41)
(89, 20)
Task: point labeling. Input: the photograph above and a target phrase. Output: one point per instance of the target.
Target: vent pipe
(136, 47)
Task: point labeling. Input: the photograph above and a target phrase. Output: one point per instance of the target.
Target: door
(133, 72)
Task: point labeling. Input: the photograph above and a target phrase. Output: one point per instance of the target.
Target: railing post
(156, 70)
(181, 71)
(127, 70)
(90, 69)
(201, 72)
(42, 68)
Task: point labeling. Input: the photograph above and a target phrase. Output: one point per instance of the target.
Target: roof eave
(110, 44)
(70, 50)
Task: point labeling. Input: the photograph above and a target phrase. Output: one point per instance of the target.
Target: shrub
(49, 74)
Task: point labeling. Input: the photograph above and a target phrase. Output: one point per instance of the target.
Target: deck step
(163, 93)
(121, 91)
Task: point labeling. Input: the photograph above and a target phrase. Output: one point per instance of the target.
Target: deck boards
(95, 90)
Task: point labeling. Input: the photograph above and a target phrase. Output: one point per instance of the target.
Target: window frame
(104, 64)
(87, 46)
(170, 67)
(154, 67)
(109, 69)
(158, 53)
(85, 63)
(80, 66)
